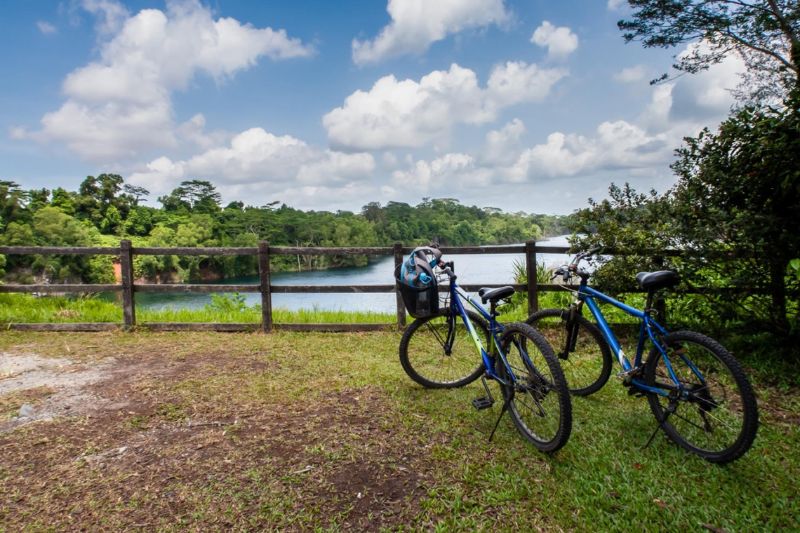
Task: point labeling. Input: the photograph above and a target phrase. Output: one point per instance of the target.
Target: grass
(307, 422)
(18, 308)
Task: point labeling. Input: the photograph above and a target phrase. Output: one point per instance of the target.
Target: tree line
(105, 209)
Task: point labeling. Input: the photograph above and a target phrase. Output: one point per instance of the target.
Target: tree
(12, 202)
(739, 192)
(628, 222)
(734, 209)
(764, 33)
(195, 196)
(96, 195)
(135, 193)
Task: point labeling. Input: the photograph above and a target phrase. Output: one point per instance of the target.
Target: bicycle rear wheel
(718, 418)
(537, 395)
(587, 365)
(429, 360)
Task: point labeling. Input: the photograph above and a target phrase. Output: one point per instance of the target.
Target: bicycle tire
(423, 356)
(724, 406)
(539, 401)
(588, 366)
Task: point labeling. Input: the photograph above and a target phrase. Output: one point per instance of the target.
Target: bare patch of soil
(118, 443)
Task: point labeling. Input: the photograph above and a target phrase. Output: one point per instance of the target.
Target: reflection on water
(471, 269)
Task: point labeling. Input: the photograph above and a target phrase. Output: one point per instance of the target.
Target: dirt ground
(138, 439)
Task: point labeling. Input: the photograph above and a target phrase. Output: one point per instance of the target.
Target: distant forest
(106, 209)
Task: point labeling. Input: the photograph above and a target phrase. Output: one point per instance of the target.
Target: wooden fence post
(401, 308)
(530, 270)
(126, 272)
(266, 295)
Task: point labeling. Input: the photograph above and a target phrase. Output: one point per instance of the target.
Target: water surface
(471, 269)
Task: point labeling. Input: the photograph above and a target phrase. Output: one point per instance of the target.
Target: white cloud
(110, 14)
(516, 82)
(676, 110)
(617, 149)
(404, 114)
(708, 93)
(416, 24)
(613, 5)
(120, 105)
(46, 28)
(502, 146)
(559, 41)
(615, 145)
(632, 74)
(256, 156)
(444, 172)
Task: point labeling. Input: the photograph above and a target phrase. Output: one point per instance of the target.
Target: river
(471, 269)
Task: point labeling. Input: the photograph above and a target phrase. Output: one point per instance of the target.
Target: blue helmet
(417, 269)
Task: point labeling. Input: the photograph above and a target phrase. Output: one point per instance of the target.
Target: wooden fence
(264, 251)
(129, 288)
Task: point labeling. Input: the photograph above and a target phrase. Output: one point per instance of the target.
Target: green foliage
(191, 216)
(733, 210)
(227, 303)
(764, 33)
(628, 222)
(742, 185)
(192, 196)
(794, 267)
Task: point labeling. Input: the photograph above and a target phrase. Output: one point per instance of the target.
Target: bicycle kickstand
(502, 412)
(671, 409)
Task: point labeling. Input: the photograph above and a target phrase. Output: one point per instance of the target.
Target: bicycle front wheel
(716, 417)
(535, 388)
(587, 363)
(438, 351)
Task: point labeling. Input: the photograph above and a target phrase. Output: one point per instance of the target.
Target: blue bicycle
(438, 350)
(697, 391)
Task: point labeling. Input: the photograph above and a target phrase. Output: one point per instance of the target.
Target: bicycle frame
(457, 294)
(649, 328)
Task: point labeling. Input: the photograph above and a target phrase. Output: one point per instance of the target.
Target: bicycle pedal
(482, 403)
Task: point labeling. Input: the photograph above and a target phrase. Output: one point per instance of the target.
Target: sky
(524, 105)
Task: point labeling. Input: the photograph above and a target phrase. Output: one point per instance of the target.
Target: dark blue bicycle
(438, 350)
(697, 391)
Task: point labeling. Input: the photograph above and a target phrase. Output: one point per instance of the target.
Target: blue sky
(523, 105)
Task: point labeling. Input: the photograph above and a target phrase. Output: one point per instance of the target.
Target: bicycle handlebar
(567, 270)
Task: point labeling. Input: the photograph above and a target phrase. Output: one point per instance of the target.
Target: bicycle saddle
(493, 295)
(657, 280)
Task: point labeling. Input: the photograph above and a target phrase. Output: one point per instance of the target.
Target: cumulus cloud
(110, 15)
(677, 109)
(502, 146)
(615, 145)
(614, 5)
(643, 146)
(257, 156)
(46, 28)
(121, 106)
(416, 24)
(406, 114)
(559, 41)
(441, 173)
(632, 74)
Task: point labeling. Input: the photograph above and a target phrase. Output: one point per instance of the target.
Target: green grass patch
(20, 308)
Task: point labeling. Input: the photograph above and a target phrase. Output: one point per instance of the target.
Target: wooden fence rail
(127, 286)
